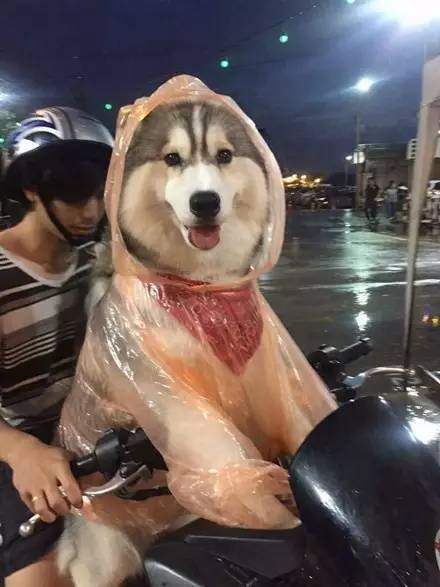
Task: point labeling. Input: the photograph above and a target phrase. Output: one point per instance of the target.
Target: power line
(279, 24)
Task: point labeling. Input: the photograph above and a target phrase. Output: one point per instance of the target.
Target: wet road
(337, 281)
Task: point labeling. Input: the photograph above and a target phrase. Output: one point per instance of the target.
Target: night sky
(89, 52)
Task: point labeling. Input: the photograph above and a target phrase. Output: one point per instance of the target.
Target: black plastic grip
(116, 448)
(83, 466)
(355, 351)
(106, 458)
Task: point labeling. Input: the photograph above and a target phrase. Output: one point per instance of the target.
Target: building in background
(411, 156)
(385, 162)
(392, 162)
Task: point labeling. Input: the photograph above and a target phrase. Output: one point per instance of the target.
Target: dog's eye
(173, 159)
(224, 156)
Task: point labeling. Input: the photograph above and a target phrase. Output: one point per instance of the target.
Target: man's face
(79, 218)
(70, 190)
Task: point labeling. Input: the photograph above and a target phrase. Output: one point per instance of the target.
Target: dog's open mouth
(204, 237)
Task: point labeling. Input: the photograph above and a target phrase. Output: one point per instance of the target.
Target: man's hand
(42, 476)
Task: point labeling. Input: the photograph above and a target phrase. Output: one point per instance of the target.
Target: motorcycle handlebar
(83, 466)
(116, 448)
(330, 363)
(355, 351)
(104, 458)
(119, 455)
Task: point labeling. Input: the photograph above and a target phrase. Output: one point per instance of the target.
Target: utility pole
(363, 87)
(358, 162)
(348, 162)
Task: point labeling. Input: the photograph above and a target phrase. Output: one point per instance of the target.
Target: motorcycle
(356, 530)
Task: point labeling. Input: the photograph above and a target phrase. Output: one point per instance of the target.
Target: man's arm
(38, 471)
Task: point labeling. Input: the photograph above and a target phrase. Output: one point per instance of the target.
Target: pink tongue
(204, 237)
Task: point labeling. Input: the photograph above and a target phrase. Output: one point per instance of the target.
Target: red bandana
(229, 321)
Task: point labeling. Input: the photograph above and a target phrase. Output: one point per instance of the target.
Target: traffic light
(224, 63)
(108, 106)
(2, 140)
(350, 1)
(284, 37)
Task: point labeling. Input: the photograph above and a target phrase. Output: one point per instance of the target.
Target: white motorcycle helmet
(48, 133)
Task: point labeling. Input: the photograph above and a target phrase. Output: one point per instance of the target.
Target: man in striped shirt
(44, 268)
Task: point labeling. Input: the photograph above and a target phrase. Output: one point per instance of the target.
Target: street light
(423, 14)
(364, 85)
(409, 12)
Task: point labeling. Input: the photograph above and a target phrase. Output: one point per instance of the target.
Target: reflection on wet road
(337, 281)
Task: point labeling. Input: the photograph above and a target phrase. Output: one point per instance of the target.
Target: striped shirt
(42, 322)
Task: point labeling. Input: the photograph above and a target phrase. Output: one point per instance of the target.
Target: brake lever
(118, 481)
(358, 381)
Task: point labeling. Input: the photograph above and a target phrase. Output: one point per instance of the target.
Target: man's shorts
(16, 552)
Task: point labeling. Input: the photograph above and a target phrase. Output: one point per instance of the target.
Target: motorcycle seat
(269, 553)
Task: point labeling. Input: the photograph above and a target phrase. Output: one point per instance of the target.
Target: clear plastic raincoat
(206, 369)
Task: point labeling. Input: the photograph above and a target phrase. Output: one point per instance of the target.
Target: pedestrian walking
(391, 197)
(371, 194)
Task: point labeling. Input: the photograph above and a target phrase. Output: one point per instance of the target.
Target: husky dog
(194, 204)
(194, 200)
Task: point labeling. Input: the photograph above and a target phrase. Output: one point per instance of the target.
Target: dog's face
(194, 199)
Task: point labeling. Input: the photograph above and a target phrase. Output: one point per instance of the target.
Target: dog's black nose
(205, 204)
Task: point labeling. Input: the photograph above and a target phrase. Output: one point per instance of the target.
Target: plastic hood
(186, 88)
